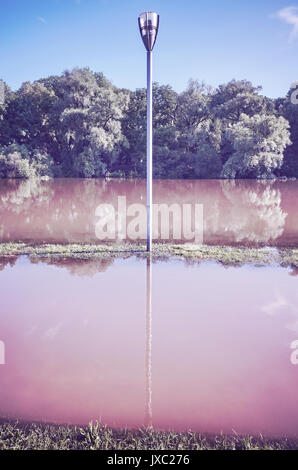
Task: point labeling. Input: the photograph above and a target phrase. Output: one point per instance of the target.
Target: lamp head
(148, 24)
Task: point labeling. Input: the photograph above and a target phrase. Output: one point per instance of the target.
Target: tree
(193, 105)
(16, 161)
(88, 110)
(289, 111)
(27, 115)
(171, 163)
(207, 162)
(237, 97)
(259, 142)
(6, 121)
(134, 125)
(80, 125)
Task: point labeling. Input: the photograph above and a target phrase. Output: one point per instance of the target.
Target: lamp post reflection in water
(148, 413)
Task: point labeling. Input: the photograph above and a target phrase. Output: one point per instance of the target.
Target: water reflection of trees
(63, 210)
(5, 261)
(74, 266)
(78, 267)
(256, 213)
(90, 267)
(294, 271)
(18, 196)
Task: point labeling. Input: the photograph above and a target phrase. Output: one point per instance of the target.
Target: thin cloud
(281, 306)
(289, 15)
(54, 331)
(41, 19)
(274, 307)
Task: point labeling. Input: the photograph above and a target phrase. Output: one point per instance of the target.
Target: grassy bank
(227, 255)
(22, 436)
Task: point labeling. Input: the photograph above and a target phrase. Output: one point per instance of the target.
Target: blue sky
(210, 40)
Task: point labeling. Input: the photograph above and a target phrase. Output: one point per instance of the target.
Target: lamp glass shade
(148, 24)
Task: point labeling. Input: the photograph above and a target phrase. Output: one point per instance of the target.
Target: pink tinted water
(235, 212)
(78, 341)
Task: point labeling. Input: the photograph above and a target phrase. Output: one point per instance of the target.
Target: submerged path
(229, 255)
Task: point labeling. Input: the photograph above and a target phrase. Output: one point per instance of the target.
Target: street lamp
(148, 24)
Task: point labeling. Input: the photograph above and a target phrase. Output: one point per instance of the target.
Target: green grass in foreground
(22, 436)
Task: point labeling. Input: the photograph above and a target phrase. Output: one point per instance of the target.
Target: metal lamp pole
(148, 24)
(149, 150)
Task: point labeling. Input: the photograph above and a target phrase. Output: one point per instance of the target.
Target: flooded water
(234, 212)
(174, 344)
(204, 346)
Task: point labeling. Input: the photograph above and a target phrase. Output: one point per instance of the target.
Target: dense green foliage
(18, 436)
(80, 125)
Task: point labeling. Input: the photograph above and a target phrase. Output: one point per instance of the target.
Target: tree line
(79, 124)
